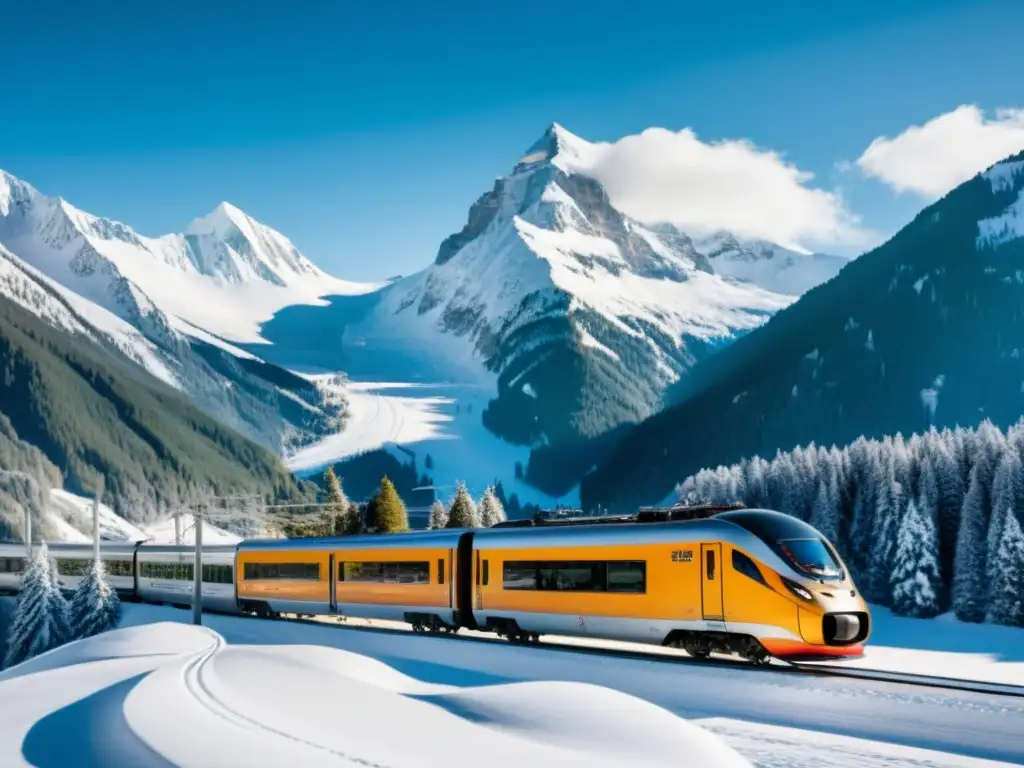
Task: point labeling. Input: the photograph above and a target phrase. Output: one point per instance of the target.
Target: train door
(451, 578)
(464, 574)
(333, 581)
(711, 581)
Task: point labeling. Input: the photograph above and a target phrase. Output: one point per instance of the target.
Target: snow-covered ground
(126, 698)
(248, 691)
(71, 515)
(441, 420)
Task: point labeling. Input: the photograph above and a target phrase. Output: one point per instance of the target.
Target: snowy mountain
(167, 304)
(766, 264)
(924, 330)
(585, 315)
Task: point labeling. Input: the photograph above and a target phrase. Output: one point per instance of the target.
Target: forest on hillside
(926, 525)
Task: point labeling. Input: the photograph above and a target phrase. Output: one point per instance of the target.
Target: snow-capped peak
(14, 191)
(219, 222)
(561, 148)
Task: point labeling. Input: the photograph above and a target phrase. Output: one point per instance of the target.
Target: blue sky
(364, 130)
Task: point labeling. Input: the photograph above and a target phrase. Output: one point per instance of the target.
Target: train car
(166, 573)
(12, 566)
(405, 577)
(753, 582)
(73, 562)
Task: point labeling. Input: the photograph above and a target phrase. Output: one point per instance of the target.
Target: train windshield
(812, 557)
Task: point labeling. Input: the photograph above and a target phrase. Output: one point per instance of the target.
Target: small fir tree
(1007, 605)
(390, 512)
(491, 511)
(438, 516)
(354, 520)
(915, 572)
(462, 513)
(338, 507)
(41, 620)
(95, 606)
(969, 588)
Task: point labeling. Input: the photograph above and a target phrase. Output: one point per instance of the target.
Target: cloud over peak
(933, 158)
(673, 176)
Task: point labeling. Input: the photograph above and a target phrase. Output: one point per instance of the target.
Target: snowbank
(128, 697)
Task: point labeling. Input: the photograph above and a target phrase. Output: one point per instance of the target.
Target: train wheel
(697, 651)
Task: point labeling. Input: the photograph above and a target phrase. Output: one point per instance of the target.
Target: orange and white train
(752, 582)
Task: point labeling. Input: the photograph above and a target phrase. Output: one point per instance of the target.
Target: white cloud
(665, 176)
(933, 158)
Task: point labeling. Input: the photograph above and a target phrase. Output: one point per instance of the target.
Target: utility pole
(177, 528)
(28, 535)
(197, 577)
(96, 523)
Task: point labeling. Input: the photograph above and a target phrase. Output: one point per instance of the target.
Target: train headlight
(797, 590)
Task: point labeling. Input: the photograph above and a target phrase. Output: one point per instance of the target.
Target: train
(754, 583)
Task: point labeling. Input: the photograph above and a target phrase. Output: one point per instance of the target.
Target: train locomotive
(751, 582)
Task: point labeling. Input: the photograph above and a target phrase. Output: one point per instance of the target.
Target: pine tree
(41, 621)
(888, 513)
(462, 513)
(1007, 488)
(1007, 604)
(915, 573)
(95, 606)
(438, 516)
(338, 507)
(969, 592)
(491, 511)
(390, 512)
(354, 524)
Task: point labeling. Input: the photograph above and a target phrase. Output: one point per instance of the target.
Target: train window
(627, 576)
(218, 574)
(709, 561)
(487, 571)
(168, 571)
(12, 564)
(519, 576)
(386, 573)
(743, 564)
(440, 571)
(283, 571)
(73, 567)
(577, 576)
(118, 567)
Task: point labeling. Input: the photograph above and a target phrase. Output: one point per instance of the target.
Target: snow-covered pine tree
(491, 511)
(1007, 601)
(462, 513)
(825, 516)
(438, 516)
(1007, 487)
(41, 618)
(338, 507)
(95, 606)
(969, 588)
(889, 508)
(915, 571)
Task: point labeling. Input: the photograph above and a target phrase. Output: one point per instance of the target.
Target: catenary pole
(197, 576)
(96, 522)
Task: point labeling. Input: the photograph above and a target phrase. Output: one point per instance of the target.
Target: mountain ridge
(934, 346)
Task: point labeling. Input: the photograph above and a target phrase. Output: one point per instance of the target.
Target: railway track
(664, 655)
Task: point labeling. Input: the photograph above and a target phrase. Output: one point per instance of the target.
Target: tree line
(44, 619)
(386, 512)
(926, 525)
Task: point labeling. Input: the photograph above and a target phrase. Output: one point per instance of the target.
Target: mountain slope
(96, 278)
(93, 411)
(926, 329)
(584, 315)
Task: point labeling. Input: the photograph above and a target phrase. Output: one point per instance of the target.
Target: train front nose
(844, 628)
